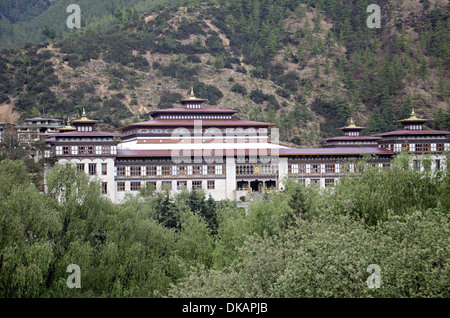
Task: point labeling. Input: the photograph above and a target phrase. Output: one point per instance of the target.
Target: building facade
(192, 147)
(35, 129)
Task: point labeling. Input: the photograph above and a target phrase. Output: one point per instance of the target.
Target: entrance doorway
(256, 185)
(241, 185)
(271, 184)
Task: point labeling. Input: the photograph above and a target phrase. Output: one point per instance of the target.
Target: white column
(230, 177)
(282, 171)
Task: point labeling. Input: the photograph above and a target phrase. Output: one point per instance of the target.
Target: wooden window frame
(120, 186)
(181, 185)
(135, 186)
(196, 185)
(104, 169)
(135, 171)
(92, 169)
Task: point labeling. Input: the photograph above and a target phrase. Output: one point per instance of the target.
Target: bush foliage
(301, 242)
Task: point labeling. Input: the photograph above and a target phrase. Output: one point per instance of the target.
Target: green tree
(28, 225)
(375, 123)
(49, 32)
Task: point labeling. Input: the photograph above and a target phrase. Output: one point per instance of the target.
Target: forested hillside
(306, 65)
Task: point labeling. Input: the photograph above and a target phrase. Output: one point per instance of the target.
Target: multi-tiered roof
(352, 138)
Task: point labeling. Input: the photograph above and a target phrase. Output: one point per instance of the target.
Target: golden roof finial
(413, 114)
(352, 125)
(412, 118)
(84, 113)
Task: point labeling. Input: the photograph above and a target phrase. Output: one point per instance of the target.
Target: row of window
(85, 150)
(166, 185)
(194, 117)
(416, 147)
(256, 169)
(417, 164)
(316, 182)
(84, 128)
(329, 168)
(92, 168)
(138, 171)
(413, 127)
(313, 168)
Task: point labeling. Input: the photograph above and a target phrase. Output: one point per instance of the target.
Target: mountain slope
(304, 66)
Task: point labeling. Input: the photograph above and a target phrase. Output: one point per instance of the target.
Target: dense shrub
(238, 88)
(289, 81)
(193, 58)
(4, 98)
(168, 99)
(24, 103)
(300, 242)
(283, 93)
(209, 92)
(257, 96)
(312, 243)
(178, 71)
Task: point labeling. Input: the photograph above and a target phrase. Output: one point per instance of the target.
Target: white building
(204, 148)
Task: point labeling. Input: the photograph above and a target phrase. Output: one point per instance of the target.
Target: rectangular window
(135, 186)
(196, 185)
(66, 150)
(315, 182)
(120, 186)
(302, 168)
(106, 150)
(182, 170)
(151, 170)
(330, 168)
(416, 165)
(105, 187)
(135, 171)
(315, 168)
(151, 185)
(104, 169)
(166, 170)
(419, 147)
(92, 169)
(211, 184)
(440, 147)
(82, 149)
(181, 185)
(211, 170)
(329, 183)
(121, 171)
(90, 149)
(166, 185)
(80, 167)
(197, 170)
(426, 147)
(405, 147)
